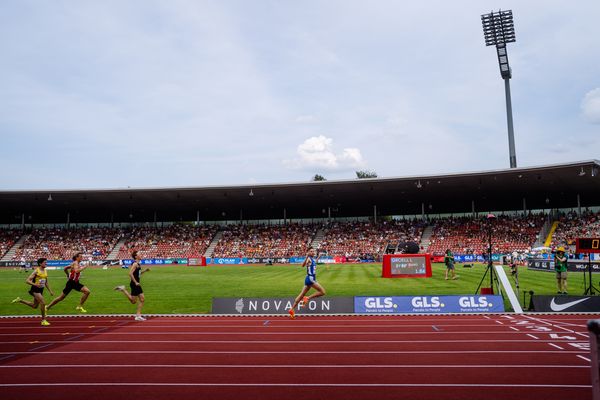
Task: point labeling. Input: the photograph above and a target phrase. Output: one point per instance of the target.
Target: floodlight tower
(498, 30)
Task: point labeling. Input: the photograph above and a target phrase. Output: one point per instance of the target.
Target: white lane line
(296, 384)
(486, 317)
(533, 336)
(256, 326)
(499, 322)
(584, 358)
(54, 366)
(555, 345)
(289, 341)
(540, 320)
(299, 332)
(151, 352)
(513, 328)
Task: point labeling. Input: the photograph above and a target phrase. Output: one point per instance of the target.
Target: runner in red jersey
(73, 272)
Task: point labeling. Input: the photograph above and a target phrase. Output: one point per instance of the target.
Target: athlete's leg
(140, 304)
(32, 304)
(320, 291)
(56, 300)
(300, 296)
(40, 300)
(132, 299)
(85, 294)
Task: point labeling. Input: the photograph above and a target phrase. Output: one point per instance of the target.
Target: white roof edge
(263, 185)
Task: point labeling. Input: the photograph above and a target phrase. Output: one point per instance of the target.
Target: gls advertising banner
(566, 303)
(428, 304)
(249, 306)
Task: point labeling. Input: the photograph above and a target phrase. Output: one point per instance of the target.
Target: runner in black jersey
(137, 294)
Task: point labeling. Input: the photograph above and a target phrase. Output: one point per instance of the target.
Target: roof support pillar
(22, 221)
(197, 217)
(154, 218)
(68, 220)
(284, 216)
(524, 206)
(473, 208)
(423, 211)
(375, 213)
(328, 214)
(578, 204)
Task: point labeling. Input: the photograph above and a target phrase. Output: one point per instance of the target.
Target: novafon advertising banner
(428, 304)
(271, 305)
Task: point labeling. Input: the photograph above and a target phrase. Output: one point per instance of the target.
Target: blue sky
(192, 93)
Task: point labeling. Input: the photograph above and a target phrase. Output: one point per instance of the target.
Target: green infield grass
(189, 290)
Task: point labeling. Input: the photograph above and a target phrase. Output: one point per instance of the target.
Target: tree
(318, 177)
(366, 174)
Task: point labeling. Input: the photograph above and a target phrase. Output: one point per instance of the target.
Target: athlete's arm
(80, 267)
(305, 262)
(144, 270)
(67, 268)
(30, 279)
(50, 290)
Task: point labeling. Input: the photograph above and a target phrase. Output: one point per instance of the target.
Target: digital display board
(406, 266)
(588, 245)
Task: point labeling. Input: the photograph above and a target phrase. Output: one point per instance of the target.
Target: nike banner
(566, 304)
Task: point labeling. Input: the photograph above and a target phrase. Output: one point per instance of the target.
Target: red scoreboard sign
(406, 266)
(587, 245)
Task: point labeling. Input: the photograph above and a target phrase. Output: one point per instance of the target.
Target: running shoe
(80, 309)
(305, 300)
(140, 318)
(292, 313)
(120, 287)
(45, 323)
(18, 299)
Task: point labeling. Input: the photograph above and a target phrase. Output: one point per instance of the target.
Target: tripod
(589, 288)
(490, 267)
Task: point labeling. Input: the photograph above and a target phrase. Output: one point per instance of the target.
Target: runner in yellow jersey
(38, 280)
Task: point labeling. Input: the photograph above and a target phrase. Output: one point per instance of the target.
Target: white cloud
(591, 106)
(317, 152)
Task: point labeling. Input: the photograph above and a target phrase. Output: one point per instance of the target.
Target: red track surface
(395, 357)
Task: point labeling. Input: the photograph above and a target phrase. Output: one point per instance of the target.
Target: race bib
(42, 282)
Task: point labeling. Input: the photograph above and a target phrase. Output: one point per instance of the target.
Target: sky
(172, 93)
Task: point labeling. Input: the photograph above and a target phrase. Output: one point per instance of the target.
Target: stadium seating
(8, 237)
(62, 244)
(572, 226)
(175, 241)
(270, 241)
(365, 240)
(470, 236)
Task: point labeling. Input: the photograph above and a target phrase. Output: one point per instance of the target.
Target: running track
(327, 357)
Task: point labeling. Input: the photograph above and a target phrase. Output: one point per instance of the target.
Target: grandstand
(347, 220)
(183, 241)
(470, 235)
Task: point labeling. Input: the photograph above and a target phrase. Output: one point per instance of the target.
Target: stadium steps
(114, 253)
(427, 232)
(213, 244)
(11, 252)
(317, 239)
(550, 234)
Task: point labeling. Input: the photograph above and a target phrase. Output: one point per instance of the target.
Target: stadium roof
(542, 187)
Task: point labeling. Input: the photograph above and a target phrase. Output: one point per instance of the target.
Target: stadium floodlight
(498, 30)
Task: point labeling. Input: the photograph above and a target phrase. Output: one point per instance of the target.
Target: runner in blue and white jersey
(310, 263)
